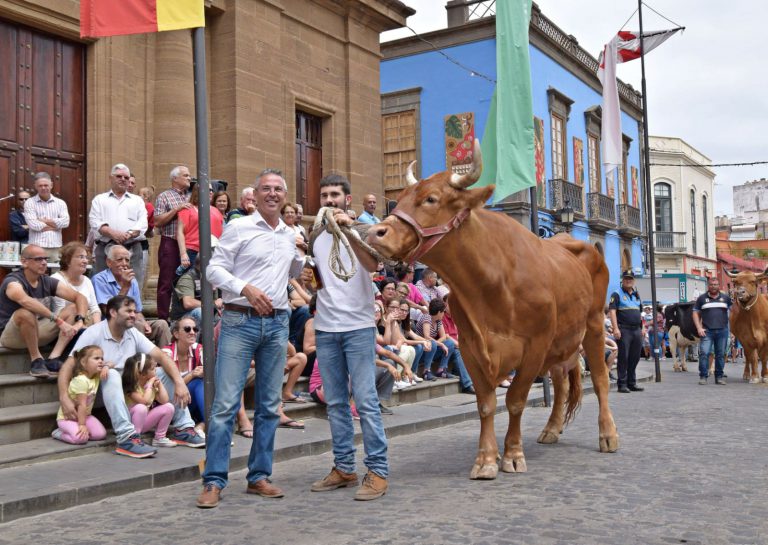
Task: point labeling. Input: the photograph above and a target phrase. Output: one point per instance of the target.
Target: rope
(324, 221)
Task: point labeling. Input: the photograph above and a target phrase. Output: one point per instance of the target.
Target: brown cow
(749, 322)
(520, 302)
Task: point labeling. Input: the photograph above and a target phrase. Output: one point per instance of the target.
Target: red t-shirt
(191, 221)
(150, 216)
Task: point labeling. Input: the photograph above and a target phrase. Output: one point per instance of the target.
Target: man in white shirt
(118, 217)
(46, 216)
(345, 337)
(251, 266)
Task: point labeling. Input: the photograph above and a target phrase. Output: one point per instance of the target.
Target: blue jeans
(652, 341)
(181, 417)
(242, 339)
(455, 356)
(197, 405)
(344, 358)
(112, 395)
(425, 357)
(718, 338)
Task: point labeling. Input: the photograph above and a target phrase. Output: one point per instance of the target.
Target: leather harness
(431, 235)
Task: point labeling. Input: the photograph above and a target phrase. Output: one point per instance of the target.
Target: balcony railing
(669, 241)
(602, 211)
(564, 192)
(629, 220)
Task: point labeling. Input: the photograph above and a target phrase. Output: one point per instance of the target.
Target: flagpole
(204, 213)
(648, 201)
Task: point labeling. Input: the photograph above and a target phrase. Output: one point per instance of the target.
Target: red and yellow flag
(117, 17)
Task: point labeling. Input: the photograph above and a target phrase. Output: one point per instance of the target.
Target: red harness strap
(433, 235)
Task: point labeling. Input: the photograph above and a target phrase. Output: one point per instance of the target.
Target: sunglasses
(190, 329)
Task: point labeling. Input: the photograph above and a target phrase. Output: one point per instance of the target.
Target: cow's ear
(476, 198)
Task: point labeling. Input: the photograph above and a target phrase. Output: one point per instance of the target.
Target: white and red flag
(624, 47)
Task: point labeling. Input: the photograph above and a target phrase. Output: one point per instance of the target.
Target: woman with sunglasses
(423, 352)
(187, 354)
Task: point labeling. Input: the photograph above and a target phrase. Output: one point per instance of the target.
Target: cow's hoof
(685, 369)
(609, 444)
(754, 381)
(765, 379)
(516, 465)
(485, 472)
(547, 437)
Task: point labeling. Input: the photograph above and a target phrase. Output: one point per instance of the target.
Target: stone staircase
(28, 408)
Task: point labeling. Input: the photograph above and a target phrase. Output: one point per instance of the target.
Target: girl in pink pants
(89, 362)
(147, 399)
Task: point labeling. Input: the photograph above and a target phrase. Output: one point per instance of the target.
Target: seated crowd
(148, 373)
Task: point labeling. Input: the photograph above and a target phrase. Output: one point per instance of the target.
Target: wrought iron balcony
(669, 241)
(602, 211)
(564, 192)
(629, 220)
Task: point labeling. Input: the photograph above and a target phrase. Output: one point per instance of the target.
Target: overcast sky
(708, 86)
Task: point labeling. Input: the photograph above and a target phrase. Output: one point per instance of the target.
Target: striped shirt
(125, 213)
(165, 202)
(714, 310)
(55, 209)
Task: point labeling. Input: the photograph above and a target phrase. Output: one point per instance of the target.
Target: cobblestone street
(692, 468)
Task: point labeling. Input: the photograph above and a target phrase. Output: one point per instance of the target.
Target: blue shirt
(106, 287)
(18, 233)
(365, 217)
(627, 306)
(713, 310)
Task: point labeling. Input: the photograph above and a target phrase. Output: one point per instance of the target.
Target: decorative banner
(635, 199)
(118, 17)
(622, 185)
(578, 161)
(538, 153)
(610, 181)
(459, 138)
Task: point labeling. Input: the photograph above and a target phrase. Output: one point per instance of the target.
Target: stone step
(23, 389)
(25, 422)
(13, 361)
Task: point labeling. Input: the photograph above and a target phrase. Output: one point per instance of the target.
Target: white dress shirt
(251, 252)
(126, 213)
(55, 209)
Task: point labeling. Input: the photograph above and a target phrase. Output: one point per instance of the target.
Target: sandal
(247, 432)
(294, 399)
(292, 424)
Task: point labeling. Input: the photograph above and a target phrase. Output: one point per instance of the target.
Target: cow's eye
(431, 200)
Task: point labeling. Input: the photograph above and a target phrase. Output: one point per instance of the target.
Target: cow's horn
(409, 174)
(466, 180)
(729, 274)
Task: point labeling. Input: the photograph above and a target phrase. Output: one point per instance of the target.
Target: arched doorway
(626, 259)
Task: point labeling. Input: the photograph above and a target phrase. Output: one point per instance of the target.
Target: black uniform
(629, 319)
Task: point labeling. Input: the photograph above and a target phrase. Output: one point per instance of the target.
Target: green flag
(508, 159)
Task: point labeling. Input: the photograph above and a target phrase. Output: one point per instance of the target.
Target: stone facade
(265, 60)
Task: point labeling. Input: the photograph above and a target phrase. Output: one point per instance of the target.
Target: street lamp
(566, 215)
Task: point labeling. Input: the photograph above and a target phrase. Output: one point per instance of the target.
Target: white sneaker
(417, 379)
(56, 434)
(163, 442)
(402, 384)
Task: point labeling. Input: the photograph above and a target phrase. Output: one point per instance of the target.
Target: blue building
(436, 97)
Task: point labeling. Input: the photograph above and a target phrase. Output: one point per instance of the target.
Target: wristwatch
(79, 318)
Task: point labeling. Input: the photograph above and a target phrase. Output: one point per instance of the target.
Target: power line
(451, 59)
(713, 165)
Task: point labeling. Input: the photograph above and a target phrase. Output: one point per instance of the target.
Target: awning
(755, 265)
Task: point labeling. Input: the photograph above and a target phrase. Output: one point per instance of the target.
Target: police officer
(710, 315)
(627, 324)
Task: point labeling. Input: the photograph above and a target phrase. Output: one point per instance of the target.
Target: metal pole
(534, 211)
(648, 201)
(204, 212)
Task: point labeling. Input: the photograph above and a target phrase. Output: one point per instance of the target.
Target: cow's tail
(573, 402)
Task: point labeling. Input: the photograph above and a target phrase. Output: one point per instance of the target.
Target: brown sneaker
(209, 497)
(373, 487)
(264, 487)
(335, 479)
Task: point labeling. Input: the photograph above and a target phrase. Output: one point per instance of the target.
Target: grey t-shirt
(43, 292)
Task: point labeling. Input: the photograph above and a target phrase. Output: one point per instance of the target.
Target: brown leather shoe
(209, 497)
(264, 487)
(373, 487)
(335, 479)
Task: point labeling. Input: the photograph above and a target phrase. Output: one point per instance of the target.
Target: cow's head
(440, 200)
(745, 284)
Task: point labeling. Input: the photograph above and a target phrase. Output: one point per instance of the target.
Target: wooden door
(309, 161)
(42, 119)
